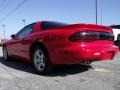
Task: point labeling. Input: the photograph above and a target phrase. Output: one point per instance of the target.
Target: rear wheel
(5, 54)
(41, 61)
(87, 63)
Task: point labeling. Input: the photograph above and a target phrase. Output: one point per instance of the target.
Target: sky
(68, 11)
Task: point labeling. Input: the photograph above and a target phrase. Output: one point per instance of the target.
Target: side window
(26, 30)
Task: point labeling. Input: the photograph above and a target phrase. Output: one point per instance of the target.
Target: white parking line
(101, 70)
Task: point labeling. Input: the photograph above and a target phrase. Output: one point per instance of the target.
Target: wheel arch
(37, 44)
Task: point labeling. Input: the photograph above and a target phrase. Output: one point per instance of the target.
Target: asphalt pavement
(102, 75)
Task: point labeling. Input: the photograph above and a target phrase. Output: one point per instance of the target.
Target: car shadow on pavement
(65, 70)
(18, 65)
(61, 70)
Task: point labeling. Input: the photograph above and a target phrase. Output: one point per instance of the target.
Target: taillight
(85, 36)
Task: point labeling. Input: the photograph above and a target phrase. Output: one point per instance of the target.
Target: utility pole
(4, 30)
(96, 10)
(101, 13)
(23, 22)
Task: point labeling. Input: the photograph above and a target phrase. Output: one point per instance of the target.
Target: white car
(116, 32)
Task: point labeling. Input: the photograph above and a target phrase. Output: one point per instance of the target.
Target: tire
(5, 54)
(87, 63)
(41, 62)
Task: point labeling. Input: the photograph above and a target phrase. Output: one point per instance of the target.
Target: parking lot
(104, 75)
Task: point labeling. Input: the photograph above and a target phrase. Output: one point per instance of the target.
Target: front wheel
(41, 61)
(5, 54)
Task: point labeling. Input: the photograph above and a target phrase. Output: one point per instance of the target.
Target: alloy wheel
(39, 60)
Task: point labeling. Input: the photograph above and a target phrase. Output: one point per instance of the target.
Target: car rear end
(87, 42)
(94, 42)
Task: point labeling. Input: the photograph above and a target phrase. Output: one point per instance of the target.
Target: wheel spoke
(36, 62)
(38, 53)
(41, 66)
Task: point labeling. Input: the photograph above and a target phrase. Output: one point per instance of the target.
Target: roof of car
(80, 24)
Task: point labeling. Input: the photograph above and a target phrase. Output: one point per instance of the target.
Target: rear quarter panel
(53, 40)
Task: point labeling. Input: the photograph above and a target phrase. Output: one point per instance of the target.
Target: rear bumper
(78, 54)
(99, 54)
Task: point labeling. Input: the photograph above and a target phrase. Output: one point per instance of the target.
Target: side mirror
(13, 36)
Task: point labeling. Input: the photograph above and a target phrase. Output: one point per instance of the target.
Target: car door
(13, 44)
(22, 42)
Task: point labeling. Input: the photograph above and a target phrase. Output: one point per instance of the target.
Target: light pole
(96, 10)
(4, 30)
(101, 13)
(23, 22)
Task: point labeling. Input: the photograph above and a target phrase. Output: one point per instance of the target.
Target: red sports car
(48, 43)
